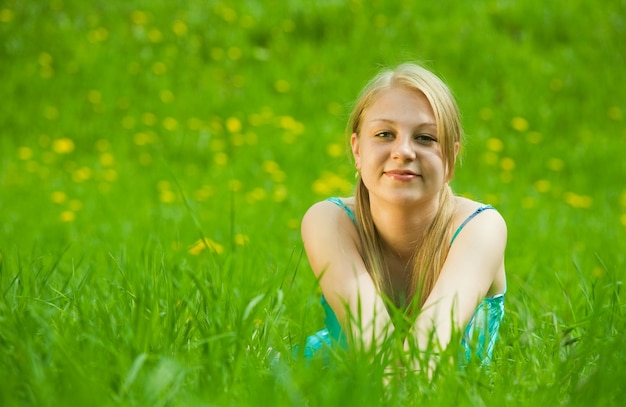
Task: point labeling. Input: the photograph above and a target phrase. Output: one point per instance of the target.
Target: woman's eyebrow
(390, 121)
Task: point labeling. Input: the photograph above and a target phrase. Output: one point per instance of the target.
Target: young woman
(405, 241)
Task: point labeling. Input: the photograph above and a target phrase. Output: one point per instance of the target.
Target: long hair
(430, 255)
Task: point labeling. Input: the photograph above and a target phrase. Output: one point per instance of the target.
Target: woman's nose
(403, 149)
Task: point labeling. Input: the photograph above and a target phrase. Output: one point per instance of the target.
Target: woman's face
(397, 149)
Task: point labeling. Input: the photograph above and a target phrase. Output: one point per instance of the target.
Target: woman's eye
(384, 134)
(425, 139)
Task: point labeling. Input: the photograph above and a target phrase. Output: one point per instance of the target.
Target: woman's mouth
(401, 175)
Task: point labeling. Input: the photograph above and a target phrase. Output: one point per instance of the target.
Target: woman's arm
(473, 264)
(331, 243)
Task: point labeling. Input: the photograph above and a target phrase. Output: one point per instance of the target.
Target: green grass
(131, 131)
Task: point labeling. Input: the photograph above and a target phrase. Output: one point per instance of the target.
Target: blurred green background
(193, 135)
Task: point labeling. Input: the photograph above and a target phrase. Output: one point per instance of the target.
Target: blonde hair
(433, 250)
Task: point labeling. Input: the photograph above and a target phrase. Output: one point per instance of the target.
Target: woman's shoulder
(329, 213)
(467, 209)
(331, 208)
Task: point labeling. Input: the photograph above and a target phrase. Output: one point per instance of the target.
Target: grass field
(156, 158)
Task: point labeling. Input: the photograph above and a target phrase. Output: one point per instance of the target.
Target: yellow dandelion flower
(335, 150)
(288, 25)
(330, 183)
(623, 219)
(237, 140)
(490, 158)
(279, 176)
(203, 193)
(204, 244)
(289, 138)
(159, 68)
(519, 124)
(534, 137)
(233, 125)
(128, 122)
(142, 139)
(145, 159)
(75, 205)
(543, 185)
(166, 96)
(67, 216)
(82, 174)
(58, 197)
(218, 145)
(281, 86)
(63, 145)
(556, 164)
(194, 124)
(51, 112)
(556, 84)
(228, 14)
(6, 15)
(107, 159)
(578, 201)
(102, 145)
(167, 196)
(615, 113)
(485, 113)
(32, 166)
(104, 188)
(217, 53)
(48, 157)
(270, 166)
(507, 164)
(45, 59)
(155, 35)
(380, 21)
(280, 193)
(247, 21)
(170, 123)
(597, 272)
(221, 158)
(234, 53)
(149, 119)
(235, 185)
(110, 175)
(139, 17)
(24, 153)
(251, 138)
(179, 28)
(241, 239)
(529, 202)
(492, 199)
(94, 97)
(97, 35)
(176, 246)
(257, 194)
(335, 108)
(495, 144)
(506, 177)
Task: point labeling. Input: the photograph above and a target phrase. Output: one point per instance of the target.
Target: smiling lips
(401, 175)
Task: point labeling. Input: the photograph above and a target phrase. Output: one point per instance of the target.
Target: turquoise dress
(480, 334)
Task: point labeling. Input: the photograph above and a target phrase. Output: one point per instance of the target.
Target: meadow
(156, 158)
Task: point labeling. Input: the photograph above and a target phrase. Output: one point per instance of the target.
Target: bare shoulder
(487, 222)
(330, 237)
(325, 213)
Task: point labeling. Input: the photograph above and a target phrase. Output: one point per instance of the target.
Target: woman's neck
(402, 228)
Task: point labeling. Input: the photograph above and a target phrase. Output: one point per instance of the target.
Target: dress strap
(343, 206)
(476, 212)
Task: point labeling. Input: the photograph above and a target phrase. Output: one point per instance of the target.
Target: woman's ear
(354, 143)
